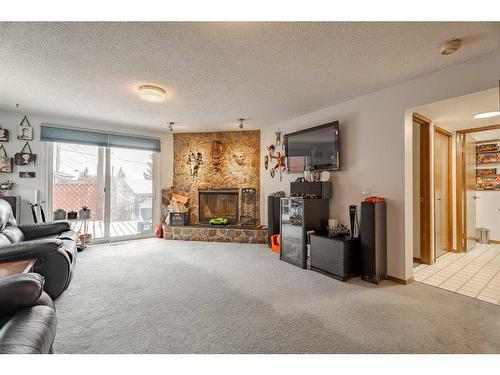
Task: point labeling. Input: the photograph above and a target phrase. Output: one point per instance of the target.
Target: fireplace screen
(218, 203)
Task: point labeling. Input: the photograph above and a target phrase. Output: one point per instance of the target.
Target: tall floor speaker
(273, 217)
(373, 241)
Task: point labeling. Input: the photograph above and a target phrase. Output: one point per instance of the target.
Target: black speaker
(373, 241)
(273, 217)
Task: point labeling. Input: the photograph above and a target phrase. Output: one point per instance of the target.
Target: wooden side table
(19, 266)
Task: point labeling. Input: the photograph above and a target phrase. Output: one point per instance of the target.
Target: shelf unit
(490, 179)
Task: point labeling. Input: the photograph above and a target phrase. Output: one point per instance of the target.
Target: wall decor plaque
(25, 130)
(26, 156)
(6, 163)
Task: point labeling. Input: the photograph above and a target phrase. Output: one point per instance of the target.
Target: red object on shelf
(374, 199)
(159, 231)
(275, 243)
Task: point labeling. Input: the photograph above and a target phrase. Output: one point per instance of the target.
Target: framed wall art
(6, 163)
(4, 135)
(26, 156)
(27, 174)
(25, 130)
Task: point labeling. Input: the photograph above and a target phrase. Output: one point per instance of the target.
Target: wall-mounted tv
(314, 149)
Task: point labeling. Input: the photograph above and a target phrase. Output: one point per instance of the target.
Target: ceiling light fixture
(492, 113)
(487, 114)
(451, 46)
(152, 93)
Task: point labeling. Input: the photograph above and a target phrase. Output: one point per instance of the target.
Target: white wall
(25, 187)
(376, 148)
(488, 212)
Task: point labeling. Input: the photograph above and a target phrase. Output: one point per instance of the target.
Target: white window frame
(47, 194)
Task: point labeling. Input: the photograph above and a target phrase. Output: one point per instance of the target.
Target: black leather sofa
(54, 245)
(27, 316)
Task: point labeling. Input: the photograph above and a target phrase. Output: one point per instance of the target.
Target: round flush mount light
(451, 46)
(487, 114)
(152, 93)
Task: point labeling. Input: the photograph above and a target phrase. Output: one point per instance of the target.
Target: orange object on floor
(275, 243)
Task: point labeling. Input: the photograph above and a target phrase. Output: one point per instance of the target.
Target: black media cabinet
(338, 256)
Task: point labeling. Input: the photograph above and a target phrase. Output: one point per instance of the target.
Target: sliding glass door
(116, 184)
(131, 198)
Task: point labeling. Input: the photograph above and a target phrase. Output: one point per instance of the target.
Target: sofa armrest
(19, 291)
(33, 231)
(29, 249)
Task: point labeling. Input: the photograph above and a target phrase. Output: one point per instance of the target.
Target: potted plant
(85, 212)
(72, 215)
(60, 214)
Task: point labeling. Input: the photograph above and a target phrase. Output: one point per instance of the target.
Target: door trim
(449, 235)
(425, 188)
(460, 175)
(460, 179)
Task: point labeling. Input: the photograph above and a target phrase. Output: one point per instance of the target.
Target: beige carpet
(157, 296)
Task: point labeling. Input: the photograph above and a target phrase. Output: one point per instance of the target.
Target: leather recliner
(27, 316)
(53, 244)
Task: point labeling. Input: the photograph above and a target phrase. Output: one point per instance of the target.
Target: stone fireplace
(219, 173)
(223, 170)
(216, 203)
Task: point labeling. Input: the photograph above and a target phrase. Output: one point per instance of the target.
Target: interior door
(442, 193)
(470, 192)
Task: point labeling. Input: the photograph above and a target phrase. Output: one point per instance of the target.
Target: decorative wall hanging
(25, 130)
(278, 139)
(26, 156)
(27, 174)
(4, 135)
(486, 171)
(240, 158)
(194, 161)
(6, 163)
(5, 187)
(487, 147)
(488, 158)
(488, 183)
(217, 154)
(266, 162)
(280, 165)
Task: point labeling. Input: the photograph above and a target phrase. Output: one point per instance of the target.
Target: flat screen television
(313, 149)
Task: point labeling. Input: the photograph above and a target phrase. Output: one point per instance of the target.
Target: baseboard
(495, 241)
(400, 281)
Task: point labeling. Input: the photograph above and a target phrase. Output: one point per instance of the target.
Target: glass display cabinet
(298, 216)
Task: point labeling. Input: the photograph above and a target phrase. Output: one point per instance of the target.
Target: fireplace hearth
(215, 203)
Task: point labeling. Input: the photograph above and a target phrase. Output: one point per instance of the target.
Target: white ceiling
(217, 72)
(456, 113)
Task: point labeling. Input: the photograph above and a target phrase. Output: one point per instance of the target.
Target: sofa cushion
(19, 291)
(4, 240)
(13, 234)
(30, 331)
(70, 248)
(6, 216)
(68, 235)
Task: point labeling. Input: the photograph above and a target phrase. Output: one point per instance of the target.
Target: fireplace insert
(222, 203)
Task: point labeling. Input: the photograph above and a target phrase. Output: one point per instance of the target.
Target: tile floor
(475, 274)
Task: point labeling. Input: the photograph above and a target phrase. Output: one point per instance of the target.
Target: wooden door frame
(460, 175)
(449, 236)
(425, 187)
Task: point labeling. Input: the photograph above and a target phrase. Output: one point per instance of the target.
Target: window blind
(54, 133)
